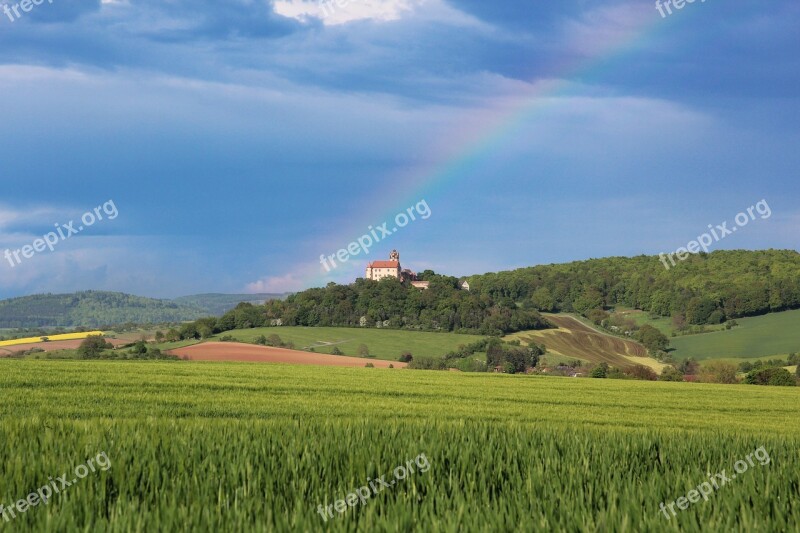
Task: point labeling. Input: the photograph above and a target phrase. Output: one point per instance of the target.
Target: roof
(384, 264)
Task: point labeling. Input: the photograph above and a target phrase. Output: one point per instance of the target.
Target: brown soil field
(52, 346)
(234, 351)
(575, 339)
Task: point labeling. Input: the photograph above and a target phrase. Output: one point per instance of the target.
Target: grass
(257, 447)
(775, 334)
(385, 344)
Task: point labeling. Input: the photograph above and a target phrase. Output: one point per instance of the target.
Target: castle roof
(384, 264)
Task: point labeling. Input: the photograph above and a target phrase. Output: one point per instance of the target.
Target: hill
(773, 334)
(91, 309)
(703, 289)
(574, 339)
(216, 304)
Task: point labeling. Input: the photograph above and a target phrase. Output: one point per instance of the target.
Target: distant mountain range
(100, 308)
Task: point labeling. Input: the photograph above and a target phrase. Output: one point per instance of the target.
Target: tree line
(704, 289)
(385, 304)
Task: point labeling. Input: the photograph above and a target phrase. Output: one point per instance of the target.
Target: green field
(258, 447)
(382, 343)
(775, 334)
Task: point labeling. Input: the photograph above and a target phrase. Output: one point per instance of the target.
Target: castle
(378, 270)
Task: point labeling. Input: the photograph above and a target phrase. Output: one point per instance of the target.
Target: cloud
(334, 12)
(276, 284)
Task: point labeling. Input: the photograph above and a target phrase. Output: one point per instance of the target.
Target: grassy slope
(382, 343)
(776, 334)
(256, 447)
(578, 339)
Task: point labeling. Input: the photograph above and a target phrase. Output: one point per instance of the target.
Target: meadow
(382, 343)
(776, 334)
(258, 447)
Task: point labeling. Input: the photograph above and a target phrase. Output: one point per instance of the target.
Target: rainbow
(474, 146)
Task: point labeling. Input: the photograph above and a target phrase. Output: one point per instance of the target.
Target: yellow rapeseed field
(63, 337)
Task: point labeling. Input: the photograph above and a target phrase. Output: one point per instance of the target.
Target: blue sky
(240, 140)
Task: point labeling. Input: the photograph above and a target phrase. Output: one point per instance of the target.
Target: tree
(718, 372)
(159, 336)
(652, 339)
(642, 372)
(670, 373)
(600, 371)
(92, 346)
(173, 335)
(797, 371)
(689, 367)
(770, 376)
(139, 348)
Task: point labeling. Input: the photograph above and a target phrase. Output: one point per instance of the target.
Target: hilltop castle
(378, 270)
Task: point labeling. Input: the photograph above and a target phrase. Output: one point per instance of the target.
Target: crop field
(260, 447)
(54, 338)
(382, 343)
(575, 339)
(776, 334)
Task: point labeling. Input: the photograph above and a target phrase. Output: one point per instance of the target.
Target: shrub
(391, 365)
(363, 351)
(600, 371)
(336, 351)
(670, 373)
(274, 340)
(642, 372)
(262, 340)
(653, 339)
(92, 346)
(227, 338)
(427, 363)
(369, 365)
(717, 372)
(406, 357)
(770, 376)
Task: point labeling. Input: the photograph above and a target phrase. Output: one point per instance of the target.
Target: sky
(226, 146)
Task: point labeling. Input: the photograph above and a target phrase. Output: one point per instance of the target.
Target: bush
(406, 357)
(391, 365)
(274, 340)
(262, 340)
(670, 373)
(336, 351)
(227, 338)
(653, 339)
(92, 346)
(600, 371)
(363, 351)
(779, 377)
(642, 372)
(427, 363)
(369, 365)
(717, 372)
